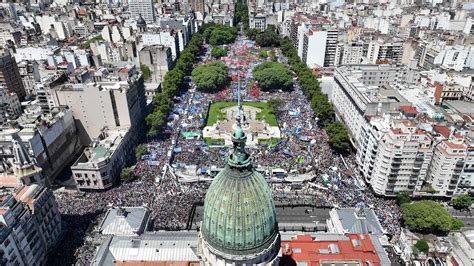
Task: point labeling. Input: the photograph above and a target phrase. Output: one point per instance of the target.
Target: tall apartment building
(381, 51)
(197, 5)
(103, 104)
(449, 158)
(362, 91)
(31, 225)
(349, 54)
(370, 135)
(10, 107)
(314, 48)
(466, 180)
(402, 160)
(331, 47)
(318, 47)
(9, 75)
(145, 8)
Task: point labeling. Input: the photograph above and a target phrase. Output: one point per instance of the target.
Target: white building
(349, 54)
(449, 158)
(402, 160)
(371, 134)
(314, 48)
(362, 91)
(100, 164)
(383, 51)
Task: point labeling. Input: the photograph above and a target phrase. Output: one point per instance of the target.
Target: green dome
(239, 213)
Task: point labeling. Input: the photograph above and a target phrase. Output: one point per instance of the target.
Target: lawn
(266, 114)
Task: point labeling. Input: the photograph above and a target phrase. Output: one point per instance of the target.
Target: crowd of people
(304, 148)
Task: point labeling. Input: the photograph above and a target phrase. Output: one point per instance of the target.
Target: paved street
(466, 216)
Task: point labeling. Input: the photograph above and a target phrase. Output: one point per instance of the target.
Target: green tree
(211, 77)
(272, 56)
(241, 13)
(156, 122)
(273, 76)
(322, 108)
(252, 34)
(268, 38)
(218, 52)
(222, 35)
(403, 197)
(127, 174)
(172, 83)
(146, 72)
(457, 224)
(463, 201)
(140, 150)
(427, 216)
(263, 54)
(338, 137)
(422, 246)
(416, 252)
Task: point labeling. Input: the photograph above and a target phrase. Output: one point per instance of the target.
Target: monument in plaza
(239, 224)
(256, 129)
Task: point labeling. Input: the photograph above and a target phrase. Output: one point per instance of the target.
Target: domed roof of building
(239, 213)
(141, 21)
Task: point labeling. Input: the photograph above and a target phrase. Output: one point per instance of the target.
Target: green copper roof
(239, 213)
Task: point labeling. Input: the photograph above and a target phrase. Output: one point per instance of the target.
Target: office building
(115, 101)
(9, 75)
(145, 8)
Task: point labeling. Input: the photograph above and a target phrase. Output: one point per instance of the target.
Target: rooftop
(102, 149)
(125, 221)
(353, 249)
(176, 247)
(361, 221)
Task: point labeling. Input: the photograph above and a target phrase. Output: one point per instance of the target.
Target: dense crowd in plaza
(304, 147)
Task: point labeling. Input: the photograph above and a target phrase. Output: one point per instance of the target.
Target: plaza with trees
(273, 76)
